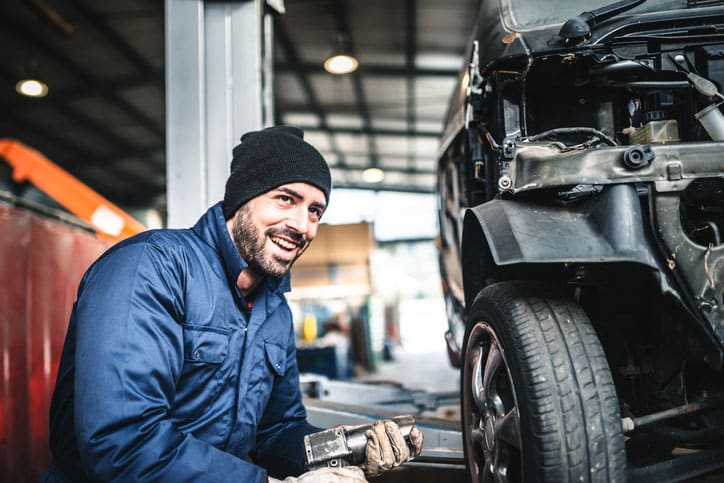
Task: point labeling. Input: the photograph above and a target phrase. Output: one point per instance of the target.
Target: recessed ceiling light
(31, 88)
(373, 175)
(341, 64)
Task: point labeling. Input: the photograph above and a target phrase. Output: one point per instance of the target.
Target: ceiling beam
(75, 93)
(378, 108)
(25, 131)
(373, 70)
(142, 184)
(292, 61)
(31, 36)
(156, 149)
(81, 119)
(100, 23)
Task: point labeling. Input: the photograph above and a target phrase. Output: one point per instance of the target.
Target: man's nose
(299, 220)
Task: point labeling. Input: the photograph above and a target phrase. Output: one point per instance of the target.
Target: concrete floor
(431, 371)
(424, 371)
(428, 371)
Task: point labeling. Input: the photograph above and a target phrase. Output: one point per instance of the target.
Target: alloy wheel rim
(491, 416)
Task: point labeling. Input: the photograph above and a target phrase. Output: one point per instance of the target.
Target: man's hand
(386, 447)
(347, 474)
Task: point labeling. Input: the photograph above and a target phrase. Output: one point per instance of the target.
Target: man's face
(273, 229)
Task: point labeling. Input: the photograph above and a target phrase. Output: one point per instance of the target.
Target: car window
(527, 14)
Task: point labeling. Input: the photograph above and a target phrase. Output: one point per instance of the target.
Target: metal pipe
(629, 424)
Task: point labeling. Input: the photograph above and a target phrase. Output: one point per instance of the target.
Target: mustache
(294, 236)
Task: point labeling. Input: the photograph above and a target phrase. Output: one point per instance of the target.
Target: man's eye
(285, 199)
(316, 212)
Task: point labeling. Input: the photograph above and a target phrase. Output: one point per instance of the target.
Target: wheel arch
(505, 239)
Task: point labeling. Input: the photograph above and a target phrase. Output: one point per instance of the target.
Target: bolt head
(505, 183)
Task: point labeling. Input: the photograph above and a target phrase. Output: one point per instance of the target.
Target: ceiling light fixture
(340, 63)
(31, 88)
(373, 175)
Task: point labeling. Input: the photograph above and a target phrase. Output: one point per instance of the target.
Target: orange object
(109, 221)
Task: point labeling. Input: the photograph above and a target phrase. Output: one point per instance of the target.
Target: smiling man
(272, 230)
(180, 363)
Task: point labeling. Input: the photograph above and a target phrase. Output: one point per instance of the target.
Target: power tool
(345, 445)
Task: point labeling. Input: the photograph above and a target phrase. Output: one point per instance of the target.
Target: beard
(250, 242)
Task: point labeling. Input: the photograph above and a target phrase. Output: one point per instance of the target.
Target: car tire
(538, 400)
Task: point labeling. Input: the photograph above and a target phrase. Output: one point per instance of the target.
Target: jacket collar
(211, 228)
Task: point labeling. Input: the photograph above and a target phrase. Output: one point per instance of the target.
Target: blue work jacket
(166, 375)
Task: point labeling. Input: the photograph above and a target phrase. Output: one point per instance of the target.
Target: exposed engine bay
(635, 97)
(641, 93)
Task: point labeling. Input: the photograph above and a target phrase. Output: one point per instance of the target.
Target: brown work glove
(386, 447)
(347, 474)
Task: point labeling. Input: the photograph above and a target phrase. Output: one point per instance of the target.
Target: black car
(581, 196)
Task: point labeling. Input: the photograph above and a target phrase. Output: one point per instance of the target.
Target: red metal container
(42, 259)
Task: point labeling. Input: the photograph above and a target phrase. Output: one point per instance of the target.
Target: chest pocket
(270, 363)
(205, 345)
(203, 372)
(276, 357)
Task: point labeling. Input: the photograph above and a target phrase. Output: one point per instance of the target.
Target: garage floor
(426, 371)
(432, 372)
(424, 474)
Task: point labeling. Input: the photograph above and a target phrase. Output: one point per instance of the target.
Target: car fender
(604, 228)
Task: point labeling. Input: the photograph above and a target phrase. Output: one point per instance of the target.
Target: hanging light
(30, 84)
(341, 61)
(373, 175)
(31, 88)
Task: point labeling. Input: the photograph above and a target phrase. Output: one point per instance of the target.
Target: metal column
(218, 86)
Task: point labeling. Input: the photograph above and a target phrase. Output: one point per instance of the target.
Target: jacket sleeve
(280, 436)
(129, 356)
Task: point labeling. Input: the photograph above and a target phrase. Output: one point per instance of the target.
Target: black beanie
(269, 158)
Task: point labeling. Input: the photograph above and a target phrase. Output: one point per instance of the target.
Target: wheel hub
(489, 431)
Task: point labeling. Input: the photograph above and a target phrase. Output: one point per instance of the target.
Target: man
(180, 364)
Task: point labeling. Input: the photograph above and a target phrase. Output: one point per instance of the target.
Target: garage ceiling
(103, 119)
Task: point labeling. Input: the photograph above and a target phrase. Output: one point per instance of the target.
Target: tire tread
(568, 391)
